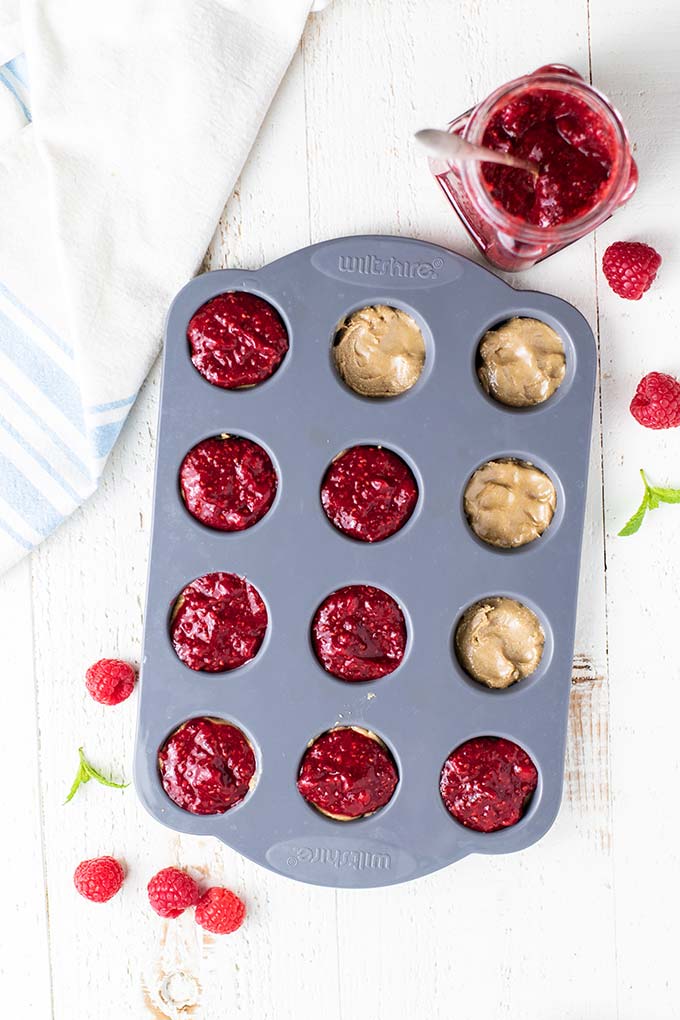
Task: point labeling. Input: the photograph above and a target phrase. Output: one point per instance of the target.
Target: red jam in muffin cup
(237, 339)
(207, 766)
(347, 773)
(487, 783)
(369, 493)
(359, 633)
(218, 623)
(228, 483)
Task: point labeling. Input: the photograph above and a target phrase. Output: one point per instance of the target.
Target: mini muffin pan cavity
(420, 705)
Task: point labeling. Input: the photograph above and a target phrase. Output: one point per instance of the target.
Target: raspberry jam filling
(487, 783)
(573, 147)
(237, 339)
(207, 766)
(218, 623)
(228, 483)
(359, 633)
(369, 493)
(347, 773)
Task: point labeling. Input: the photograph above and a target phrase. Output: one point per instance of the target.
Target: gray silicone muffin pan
(444, 427)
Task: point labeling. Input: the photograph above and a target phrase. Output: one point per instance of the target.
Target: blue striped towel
(108, 200)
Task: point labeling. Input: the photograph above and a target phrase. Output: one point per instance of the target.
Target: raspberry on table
(656, 403)
(110, 681)
(171, 891)
(630, 268)
(99, 878)
(220, 911)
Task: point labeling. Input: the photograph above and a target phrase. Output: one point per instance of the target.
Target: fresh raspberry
(630, 268)
(171, 891)
(110, 681)
(220, 911)
(98, 879)
(656, 403)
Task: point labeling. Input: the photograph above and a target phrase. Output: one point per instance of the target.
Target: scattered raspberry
(630, 268)
(98, 879)
(110, 681)
(656, 403)
(220, 911)
(171, 891)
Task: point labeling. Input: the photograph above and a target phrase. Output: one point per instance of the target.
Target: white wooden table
(584, 925)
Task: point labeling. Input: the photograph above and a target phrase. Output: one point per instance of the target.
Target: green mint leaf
(92, 773)
(666, 495)
(81, 777)
(85, 773)
(635, 522)
(654, 496)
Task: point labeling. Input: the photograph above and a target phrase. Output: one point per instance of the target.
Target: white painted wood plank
(545, 917)
(119, 959)
(635, 56)
(525, 913)
(24, 955)
(288, 961)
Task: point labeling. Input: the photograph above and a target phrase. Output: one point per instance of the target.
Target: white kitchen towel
(14, 98)
(143, 114)
(10, 30)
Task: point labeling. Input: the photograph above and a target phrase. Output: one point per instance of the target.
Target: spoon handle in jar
(454, 149)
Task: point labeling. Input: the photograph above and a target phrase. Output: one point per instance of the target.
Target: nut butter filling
(509, 503)
(522, 362)
(379, 351)
(499, 641)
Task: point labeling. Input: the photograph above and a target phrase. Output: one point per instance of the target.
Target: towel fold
(143, 115)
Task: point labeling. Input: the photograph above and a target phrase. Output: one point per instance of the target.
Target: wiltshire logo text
(359, 860)
(372, 265)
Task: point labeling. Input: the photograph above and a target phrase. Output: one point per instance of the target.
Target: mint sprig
(653, 497)
(85, 773)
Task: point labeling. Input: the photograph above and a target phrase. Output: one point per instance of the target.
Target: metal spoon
(454, 149)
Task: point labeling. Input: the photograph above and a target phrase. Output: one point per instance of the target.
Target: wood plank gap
(604, 552)
(310, 240)
(337, 953)
(41, 804)
(590, 59)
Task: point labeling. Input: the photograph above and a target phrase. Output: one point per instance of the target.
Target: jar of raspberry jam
(585, 167)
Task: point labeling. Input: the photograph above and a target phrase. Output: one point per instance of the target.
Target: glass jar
(506, 240)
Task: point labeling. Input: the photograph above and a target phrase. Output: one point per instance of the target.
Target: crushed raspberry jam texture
(369, 493)
(218, 623)
(207, 766)
(228, 483)
(237, 339)
(487, 783)
(347, 774)
(359, 633)
(573, 147)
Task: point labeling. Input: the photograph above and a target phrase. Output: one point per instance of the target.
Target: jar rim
(572, 229)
